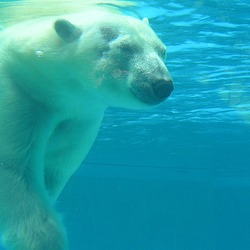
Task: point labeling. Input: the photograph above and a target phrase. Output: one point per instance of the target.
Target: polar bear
(58, 74)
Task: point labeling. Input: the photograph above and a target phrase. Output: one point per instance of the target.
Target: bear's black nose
(163, 88)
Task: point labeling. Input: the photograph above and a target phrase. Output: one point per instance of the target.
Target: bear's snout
(162, 89)
(152, 92)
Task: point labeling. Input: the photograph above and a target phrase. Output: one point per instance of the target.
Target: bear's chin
(146, 97)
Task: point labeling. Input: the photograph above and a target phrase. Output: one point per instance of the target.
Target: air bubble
(39, 53)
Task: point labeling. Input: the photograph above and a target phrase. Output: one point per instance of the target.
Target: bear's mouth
(152, 93)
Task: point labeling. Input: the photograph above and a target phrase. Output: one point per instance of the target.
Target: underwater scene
(175, 176)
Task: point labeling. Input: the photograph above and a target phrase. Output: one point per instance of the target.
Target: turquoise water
(176, 177)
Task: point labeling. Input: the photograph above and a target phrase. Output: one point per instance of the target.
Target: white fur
(52, 98)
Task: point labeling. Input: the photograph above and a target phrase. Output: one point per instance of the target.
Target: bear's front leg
(28, 221)
(27, 218)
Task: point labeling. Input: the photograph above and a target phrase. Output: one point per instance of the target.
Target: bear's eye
(126, 47)
(129, 47)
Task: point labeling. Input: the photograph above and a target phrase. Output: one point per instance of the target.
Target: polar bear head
(121, 57)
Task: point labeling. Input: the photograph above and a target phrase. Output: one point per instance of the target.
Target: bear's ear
(145, 20)
(66, 30)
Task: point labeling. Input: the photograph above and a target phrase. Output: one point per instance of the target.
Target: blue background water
(176, 177)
